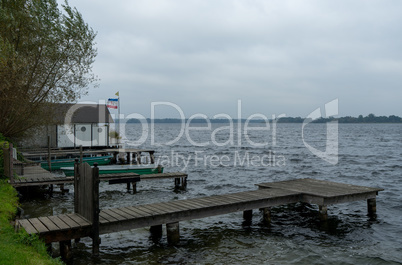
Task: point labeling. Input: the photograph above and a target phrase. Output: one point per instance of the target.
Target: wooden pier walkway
(37, 176)
(90, 221)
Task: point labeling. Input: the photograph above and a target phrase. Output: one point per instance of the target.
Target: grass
(18, 248)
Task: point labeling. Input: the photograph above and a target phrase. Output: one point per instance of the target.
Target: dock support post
(65, 250)
(128, 157)
(96, 210)
(151, 155)
(323, 212)
(134, 187)
(49, 154)
(176, 183)
(266, 216)
(156, 232)
(371, 206)
(248, 215)
(128, 186)
(173, 233)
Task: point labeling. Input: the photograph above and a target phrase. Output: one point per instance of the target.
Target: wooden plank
(70, 222)
(48, 223)
(142, 209)
(27, 226)
(38, 225)
(123, 214)
(103, 220)
(57, 221)
(79, 219)
(112, 217)
(131, 212)
(158, 209)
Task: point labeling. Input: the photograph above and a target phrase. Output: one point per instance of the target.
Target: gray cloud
(276, 56)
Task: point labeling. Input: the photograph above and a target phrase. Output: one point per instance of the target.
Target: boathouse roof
(82, 113)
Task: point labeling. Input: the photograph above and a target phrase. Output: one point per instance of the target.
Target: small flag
(117, 94)
(112, 103)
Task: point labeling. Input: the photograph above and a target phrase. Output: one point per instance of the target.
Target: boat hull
(140, 170)
(57, 164)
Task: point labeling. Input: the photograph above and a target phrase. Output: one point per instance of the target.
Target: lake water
(368, 155)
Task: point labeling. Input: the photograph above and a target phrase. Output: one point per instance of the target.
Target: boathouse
(74, 125)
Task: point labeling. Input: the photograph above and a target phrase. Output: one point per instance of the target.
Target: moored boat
(115, 169)
(57, 164)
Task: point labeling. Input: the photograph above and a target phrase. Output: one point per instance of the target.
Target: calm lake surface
(369, 155)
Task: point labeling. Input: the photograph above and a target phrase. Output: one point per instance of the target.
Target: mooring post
(65, 250)
(266, 216)
(76, 180)
(128, 157)
(371, 206)
(156, 232)
(49, 154)
(95, 221)
(248, 215)
(176, 183)
(323, 212)
(151, 155)
(134, 187)
(173, 233)
(81, 154)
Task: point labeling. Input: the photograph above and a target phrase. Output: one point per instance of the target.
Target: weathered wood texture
(87, 191)
(324, 192)
(57, 228)
(172, 212)
(125, 218)
(37, 176)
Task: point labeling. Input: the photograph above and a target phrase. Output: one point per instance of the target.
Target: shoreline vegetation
(371, 118)
(17, 247)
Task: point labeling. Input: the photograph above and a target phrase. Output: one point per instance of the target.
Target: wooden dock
(91, 221)
(324, 193)
(37, 176)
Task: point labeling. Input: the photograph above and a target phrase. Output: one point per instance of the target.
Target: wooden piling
(134, 187)
(371, 206)
(152, 156)
(248, 215)
(323, 212)
(173, 233)
(81, 155)
(66, 250)
(87, 199)
(49, 154)
(266, 216)
(156, 232)
(95, 210)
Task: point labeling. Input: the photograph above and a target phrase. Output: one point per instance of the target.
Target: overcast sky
(277, 57)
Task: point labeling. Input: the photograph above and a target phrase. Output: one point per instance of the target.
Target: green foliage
(114, 134)
(18, 248)
(46, 56)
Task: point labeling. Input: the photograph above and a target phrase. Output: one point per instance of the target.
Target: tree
(46, 57)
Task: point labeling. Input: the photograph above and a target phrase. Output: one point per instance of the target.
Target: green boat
(115, 169)
(57, 164)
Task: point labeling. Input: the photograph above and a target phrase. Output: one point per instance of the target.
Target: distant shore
(371, 118)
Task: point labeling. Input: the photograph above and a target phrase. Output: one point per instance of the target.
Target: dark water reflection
(369, 154)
